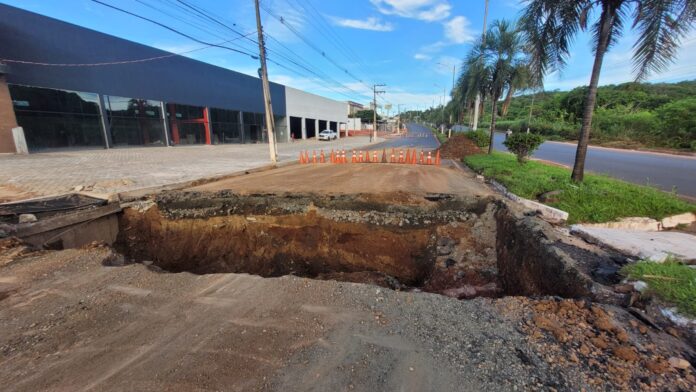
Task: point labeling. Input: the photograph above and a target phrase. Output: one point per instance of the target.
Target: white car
(328, 134)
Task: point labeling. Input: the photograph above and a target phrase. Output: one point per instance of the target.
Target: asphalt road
(418, 136)
(664, 171)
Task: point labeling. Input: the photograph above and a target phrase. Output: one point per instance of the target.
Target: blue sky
(409, 45)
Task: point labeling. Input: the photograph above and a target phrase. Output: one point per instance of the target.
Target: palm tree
(550, 26)
(490, 67)
(519, 80)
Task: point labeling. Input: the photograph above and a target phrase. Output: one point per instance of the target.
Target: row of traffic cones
(410, 156)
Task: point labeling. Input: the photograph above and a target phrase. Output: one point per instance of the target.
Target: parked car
(328, 134)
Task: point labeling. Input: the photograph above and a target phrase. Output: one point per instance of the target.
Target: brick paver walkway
(126, 169)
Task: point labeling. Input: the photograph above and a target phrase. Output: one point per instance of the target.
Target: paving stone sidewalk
(127, 169)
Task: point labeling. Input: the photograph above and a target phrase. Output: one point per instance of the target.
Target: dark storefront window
(187, 124)
(135, 121)
(225, 126)
(281, 129)
(253, 127)
(57, 118)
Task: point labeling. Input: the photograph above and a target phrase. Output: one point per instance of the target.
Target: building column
(316, 129)
(241, 126)
(165, 124)
(174, 124)
(206, 124)
(8, 120)
(304, 128)
(105, 124)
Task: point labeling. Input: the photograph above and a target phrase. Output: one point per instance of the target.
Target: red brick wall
(7, 118)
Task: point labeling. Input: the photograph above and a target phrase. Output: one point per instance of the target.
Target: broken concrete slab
(676, 220)
(648, 245)
(548, 213)
(632, 223)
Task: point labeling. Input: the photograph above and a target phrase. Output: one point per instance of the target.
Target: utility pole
(270, 121)
(478, 95)
(529, 121)
(374, 103)
(398, 122)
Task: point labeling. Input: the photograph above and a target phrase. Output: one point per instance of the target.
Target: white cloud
(427, 10)
(421, 56)
(458, 31)
(371, 23)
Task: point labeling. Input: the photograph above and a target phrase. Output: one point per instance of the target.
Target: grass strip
(597, 199)
(671, 281)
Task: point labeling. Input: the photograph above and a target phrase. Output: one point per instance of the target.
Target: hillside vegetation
(627, 115)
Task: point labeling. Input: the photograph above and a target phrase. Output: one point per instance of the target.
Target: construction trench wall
(463, 247)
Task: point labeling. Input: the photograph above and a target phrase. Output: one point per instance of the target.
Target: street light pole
(270, 121)
(374, 100)
(478, 95)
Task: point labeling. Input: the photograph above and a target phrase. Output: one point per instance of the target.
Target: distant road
(664, 171)
(418, 136)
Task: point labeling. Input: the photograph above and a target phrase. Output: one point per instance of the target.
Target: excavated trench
(461, 247)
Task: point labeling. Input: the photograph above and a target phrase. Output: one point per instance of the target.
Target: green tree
(523, 144)
(679, 122)
(551, 25)
(491, 67)
(366, 116)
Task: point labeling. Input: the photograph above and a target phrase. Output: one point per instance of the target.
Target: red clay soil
(457, 147)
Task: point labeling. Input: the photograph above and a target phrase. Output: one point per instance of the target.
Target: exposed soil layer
(438, 242)
(459, 146)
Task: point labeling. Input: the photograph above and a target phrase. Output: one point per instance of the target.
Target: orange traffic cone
(314, 156)
(322, 157)
(374, 157)
(392, 159)
(301, 158)
(401, 156)
(414, 159)
(331, 157)
(353, 159)
(422, 160)
(430, 158)
(437, 158)
(384, 155)
(367, 157)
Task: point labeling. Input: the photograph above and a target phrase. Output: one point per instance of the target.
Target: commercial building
(76, 88)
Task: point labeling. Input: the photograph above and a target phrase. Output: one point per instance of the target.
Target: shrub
(523, 144)
(480, 137)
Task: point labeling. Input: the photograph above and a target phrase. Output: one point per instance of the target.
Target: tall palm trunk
(494, 111)
(607, 23)
(506, 104)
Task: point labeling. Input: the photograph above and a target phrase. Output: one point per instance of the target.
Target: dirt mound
(457, 147)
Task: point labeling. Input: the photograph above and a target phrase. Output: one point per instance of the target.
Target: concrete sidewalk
(128, 169)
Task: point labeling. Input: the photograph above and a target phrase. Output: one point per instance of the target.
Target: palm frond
(550, 27)
(661, 25)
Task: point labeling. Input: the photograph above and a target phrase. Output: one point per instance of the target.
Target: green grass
(597, 199)
(442, 137)
(671, 281)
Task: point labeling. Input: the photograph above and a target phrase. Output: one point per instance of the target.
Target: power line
(312, 45)
(202, 13)
(242, 35)
(330, 33)
(120, 62)
(175, 30)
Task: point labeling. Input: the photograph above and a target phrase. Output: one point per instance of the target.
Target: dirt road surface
(90, 320)
(356, 178)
